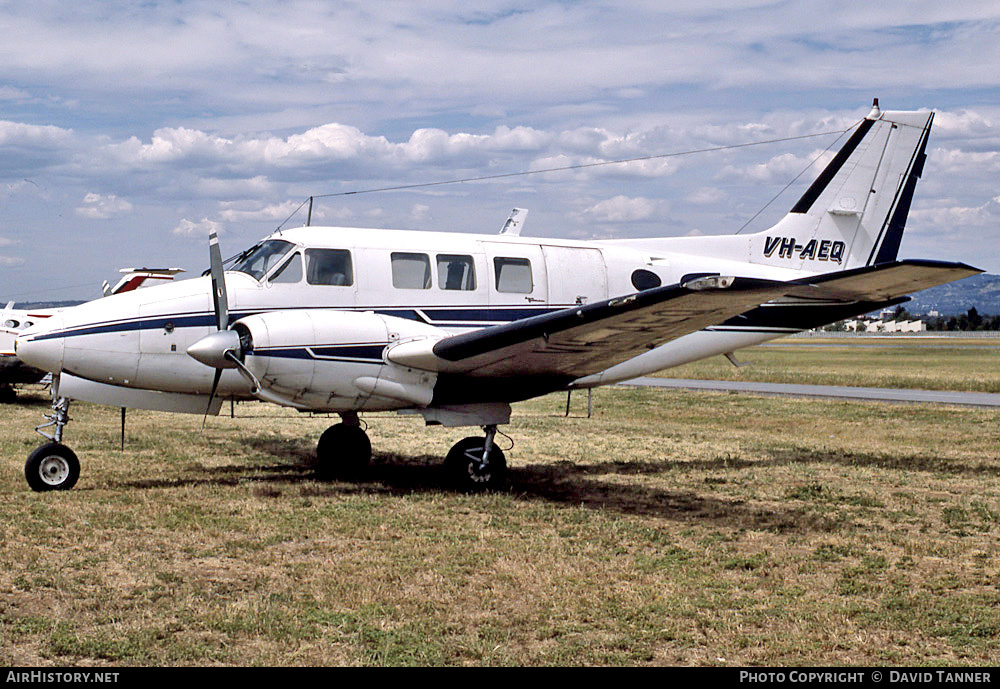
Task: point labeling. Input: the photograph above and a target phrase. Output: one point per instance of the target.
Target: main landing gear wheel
(468, 472)
(343, 450)
(52, 466)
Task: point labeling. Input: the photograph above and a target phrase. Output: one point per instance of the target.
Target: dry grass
(925, 363)
(678, 528)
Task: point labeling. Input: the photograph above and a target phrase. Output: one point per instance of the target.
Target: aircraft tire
(342, 451)
(52, 466)
(462, 466)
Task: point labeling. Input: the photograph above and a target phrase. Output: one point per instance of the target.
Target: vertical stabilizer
(855, 212)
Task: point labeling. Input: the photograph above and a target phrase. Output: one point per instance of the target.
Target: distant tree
(973, 318)
(901, 314)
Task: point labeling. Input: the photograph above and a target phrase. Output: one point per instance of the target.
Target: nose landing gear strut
(53, 466)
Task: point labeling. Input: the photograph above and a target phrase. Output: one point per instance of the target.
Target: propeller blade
(211, 397)
(219, 297)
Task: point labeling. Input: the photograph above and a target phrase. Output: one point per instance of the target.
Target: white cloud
(273, 212)
(948, 219)
(200, 230)
(780, 168)
(625, 209)
(956, 161)
(98, 207)
(706, 196)
(25, 135)
(11, 261)
(14, 94)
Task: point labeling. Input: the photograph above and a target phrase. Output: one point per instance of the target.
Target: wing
(584, 340)
(882, 282)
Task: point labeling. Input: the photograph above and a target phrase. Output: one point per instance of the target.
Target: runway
(974, 399)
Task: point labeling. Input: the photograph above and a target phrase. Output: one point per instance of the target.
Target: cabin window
(645, 279)
(456, 272)
(263, 257)
(513, 275)
(411, 271)
(290, 272)
(11, 324)
(329, 267)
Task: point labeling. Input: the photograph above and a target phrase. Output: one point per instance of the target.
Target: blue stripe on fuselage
(456, 317)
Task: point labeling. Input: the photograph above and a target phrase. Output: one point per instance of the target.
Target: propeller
(226, 347)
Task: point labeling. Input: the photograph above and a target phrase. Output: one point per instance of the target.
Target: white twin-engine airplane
(456, 327)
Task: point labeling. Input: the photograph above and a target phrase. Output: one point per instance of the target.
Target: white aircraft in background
(13, 321)
(456, 327)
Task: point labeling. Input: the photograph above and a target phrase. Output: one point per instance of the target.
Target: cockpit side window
(263, 258)
(290, 272)
(456, 272)
(329, 267)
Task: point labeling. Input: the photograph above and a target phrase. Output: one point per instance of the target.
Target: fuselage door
(517, 276)
(576, 275)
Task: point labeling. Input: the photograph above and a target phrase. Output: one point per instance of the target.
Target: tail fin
(855, 212)
(139, 277)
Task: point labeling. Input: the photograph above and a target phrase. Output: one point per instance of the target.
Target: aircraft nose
(42, 346)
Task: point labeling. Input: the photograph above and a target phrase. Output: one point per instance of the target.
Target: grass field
(924, 363)
(678, 528)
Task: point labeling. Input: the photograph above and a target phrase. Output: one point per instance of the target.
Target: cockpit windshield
(263, 257)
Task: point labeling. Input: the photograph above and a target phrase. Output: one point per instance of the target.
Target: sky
(129, 130)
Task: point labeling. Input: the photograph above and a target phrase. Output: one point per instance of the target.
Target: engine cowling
(335, 360)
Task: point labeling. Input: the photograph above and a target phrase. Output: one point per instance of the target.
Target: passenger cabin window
(411, 271)
(263, 257)
(456, 272)
(513, 275)
(290, 272)
(329, 267)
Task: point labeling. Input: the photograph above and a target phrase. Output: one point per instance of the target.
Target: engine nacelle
(335, 360)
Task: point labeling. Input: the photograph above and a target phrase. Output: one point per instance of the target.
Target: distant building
(880, 326)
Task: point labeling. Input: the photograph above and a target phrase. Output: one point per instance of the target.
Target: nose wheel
(476, 464)
(52, 466)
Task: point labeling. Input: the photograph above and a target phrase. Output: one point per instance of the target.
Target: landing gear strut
(344, 449)
(477, 464)
(53, 466)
